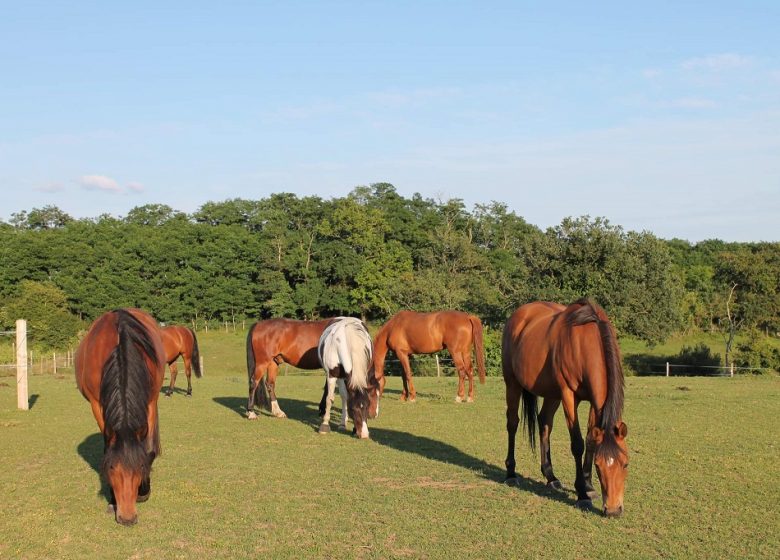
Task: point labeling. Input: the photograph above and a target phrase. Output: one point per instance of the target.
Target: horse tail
(590, 312)
(530, 415)
(479, 348)
(195, 359)
(125, 393)
(262, 398)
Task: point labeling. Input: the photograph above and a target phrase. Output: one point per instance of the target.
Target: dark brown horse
(120, 365)
(273, 342)
(181, 341)
(409, 332)
(568, 355)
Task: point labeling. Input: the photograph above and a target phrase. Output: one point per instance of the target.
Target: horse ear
(597, 435)
(621, 430)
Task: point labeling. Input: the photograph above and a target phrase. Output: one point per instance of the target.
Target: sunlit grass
(703, 479)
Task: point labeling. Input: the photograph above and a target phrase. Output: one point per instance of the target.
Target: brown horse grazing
(181, 341)
(568, 355)
(410, 332)
(273, 342)
(120, 365)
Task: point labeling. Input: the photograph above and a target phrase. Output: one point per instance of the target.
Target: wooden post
(667, 369)
(22, 399)
(438, 369)
(731, 370)
(54, 361)
(200, 358)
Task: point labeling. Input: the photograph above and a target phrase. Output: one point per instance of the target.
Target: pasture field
(703, 477)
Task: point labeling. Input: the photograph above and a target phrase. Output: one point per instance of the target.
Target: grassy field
(703, 481)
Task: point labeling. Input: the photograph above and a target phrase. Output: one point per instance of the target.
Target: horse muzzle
(616, 512)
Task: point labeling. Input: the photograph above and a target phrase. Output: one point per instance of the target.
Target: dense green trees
(372, 253)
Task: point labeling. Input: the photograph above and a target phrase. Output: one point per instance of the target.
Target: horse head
(126, 467)
(611, 462)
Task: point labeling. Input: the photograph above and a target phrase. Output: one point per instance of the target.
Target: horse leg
(152, 449)
(273, 370)
(513, 392)
(465, 370)
(254, 384)
(344, 402)
(330, 383)
(577, 446)
(188, 372)
(324, 397)
(545, 417)
(174, 370)
(408, 392)
(590, 450)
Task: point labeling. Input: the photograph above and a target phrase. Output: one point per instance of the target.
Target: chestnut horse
(120, 365)
(181, 341)
(410, 332)
(273, 342)
(346, 353)
(568, 355)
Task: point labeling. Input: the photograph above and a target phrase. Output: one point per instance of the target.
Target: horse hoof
(512, 481)
(251, 415)
(324, 429)
(555, 484)
(470, 399)
(140, 499)
(111, 509)
(413, 399)
(583, 504)
(458, 399)
(168, 394)
(280, 414)
(189, 394)
(592, 494)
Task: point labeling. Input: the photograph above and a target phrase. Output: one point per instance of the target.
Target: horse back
(290, 340)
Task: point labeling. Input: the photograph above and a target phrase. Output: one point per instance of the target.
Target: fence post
(54, 360)
(667, 369)
(200, 359)
(731, 369)
(22, 400)
(438, 369)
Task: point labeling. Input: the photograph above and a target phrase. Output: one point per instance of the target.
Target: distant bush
(757, 352)
(695, 360)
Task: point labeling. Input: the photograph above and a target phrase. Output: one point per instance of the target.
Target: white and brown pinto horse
(346, 354)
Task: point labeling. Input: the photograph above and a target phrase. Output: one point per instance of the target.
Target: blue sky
(662, 117)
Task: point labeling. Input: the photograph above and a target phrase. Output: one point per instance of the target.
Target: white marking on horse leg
(364, 431)
(331, 383)
(458, 398)
(276, 410)
(344, 402)
(251, 415)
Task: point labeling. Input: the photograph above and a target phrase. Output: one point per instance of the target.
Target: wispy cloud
(717, 62)
(136, 187)
(100, 183)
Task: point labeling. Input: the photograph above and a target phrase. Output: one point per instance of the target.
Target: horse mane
(125, 391)
(612, 411)
(346, 342)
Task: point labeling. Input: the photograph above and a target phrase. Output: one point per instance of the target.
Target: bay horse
(181, 341)
(120, 366)
(568, 355)
(410, 332)
(273, 342)
(345, 350)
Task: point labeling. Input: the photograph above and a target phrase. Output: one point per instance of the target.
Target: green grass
(703, 480)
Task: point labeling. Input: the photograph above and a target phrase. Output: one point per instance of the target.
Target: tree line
(370, 254)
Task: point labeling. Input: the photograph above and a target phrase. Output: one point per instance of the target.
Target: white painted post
(200, 359)
(22, 399)
(438, 370)
(54, 361)
(667, 369)
(731, 370)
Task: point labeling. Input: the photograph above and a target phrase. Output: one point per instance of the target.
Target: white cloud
(100, 183)
(717, 62)
(135, 187)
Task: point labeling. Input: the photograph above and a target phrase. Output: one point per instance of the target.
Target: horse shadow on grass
(307, 413)
(301, 411)
(91, 450)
